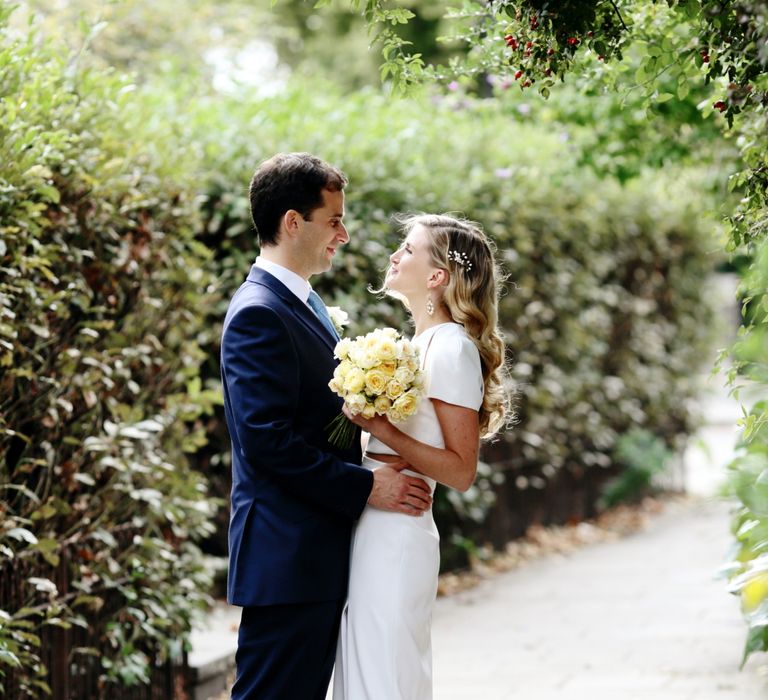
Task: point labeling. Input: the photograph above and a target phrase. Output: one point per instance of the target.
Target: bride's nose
(394, 257)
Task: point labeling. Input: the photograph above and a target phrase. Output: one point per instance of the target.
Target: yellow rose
(404, 375)
(388, 368)
(370, 341)
(376, 381)
(362, 357)
(394, 389)
(341, 351)
(354, 381)
(341, 371)
(386, 349)
(356, 403)
(407, 403)
(395, 416)
(369, 411)
(382, 404)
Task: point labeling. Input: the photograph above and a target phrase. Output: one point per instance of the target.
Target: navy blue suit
(295, 497)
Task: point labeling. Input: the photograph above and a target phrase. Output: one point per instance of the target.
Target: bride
(445, 274)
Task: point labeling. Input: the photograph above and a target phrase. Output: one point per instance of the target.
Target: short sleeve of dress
(454, 371)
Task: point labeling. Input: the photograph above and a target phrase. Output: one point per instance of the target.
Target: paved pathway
(640, 618)
(633, 619)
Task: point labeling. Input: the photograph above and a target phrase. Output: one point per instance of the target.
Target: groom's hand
(399, 493)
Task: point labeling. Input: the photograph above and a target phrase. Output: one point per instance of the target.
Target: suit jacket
(295, 497)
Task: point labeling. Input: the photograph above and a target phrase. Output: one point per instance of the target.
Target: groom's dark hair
(289, 181)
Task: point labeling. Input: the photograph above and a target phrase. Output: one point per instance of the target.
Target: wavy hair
(471, 297)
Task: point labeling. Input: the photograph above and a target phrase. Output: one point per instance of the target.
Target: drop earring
(430, 306)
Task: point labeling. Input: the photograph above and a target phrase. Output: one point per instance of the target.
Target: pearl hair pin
(460, 259)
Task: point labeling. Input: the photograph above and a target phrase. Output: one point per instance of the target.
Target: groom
(295, 497)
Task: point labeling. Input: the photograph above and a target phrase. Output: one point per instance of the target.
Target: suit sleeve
(260, 370)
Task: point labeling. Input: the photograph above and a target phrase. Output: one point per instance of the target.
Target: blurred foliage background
(130, 131)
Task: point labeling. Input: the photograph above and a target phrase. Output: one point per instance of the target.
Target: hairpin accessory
(460, 259)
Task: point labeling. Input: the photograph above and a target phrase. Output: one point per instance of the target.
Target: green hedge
(102, 293)
(111, 199)
(748, 472)
(604, 312)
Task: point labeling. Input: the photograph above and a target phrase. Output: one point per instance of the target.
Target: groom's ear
(291, 221)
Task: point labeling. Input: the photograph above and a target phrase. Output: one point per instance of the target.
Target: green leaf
(757, 640)
(44, 585)
(9, 658)
(47, 547)
(22, 535)
(50, 193)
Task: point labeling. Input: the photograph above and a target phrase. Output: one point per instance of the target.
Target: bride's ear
(438, 278)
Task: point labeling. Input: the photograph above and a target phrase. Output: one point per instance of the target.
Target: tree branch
(618, 14)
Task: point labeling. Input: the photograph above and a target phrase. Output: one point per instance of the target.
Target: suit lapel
(300, 310)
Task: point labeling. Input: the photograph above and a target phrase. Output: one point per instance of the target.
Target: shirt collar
(296, 284)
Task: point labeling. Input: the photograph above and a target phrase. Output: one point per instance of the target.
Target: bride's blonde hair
(471, 298)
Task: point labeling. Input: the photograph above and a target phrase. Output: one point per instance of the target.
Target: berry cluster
(543, 38)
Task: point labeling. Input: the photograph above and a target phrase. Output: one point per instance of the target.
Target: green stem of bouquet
(342, 432)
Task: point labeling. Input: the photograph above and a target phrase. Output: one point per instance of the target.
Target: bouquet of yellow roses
(378, 374)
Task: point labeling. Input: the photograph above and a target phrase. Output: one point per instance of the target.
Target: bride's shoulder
(454, 341)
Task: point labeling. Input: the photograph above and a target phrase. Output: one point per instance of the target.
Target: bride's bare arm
(455, 465)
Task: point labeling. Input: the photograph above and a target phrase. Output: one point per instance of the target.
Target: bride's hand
(376, 426)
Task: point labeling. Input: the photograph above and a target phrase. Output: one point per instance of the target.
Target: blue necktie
(317, 305)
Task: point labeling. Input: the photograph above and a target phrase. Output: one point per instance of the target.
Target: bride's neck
(422, 320)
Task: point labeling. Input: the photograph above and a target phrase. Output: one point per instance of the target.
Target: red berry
(548, 72)
(527, 53)
(550, 52)
(572, 41)
(590, 34)
(720, 105)
(518, 74)
(527, 83)
(510, 41)
(601, 58)
(528, 44)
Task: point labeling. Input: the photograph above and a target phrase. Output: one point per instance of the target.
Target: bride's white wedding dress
(384, 650)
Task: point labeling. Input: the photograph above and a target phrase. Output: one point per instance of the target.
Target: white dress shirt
(298, 285)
